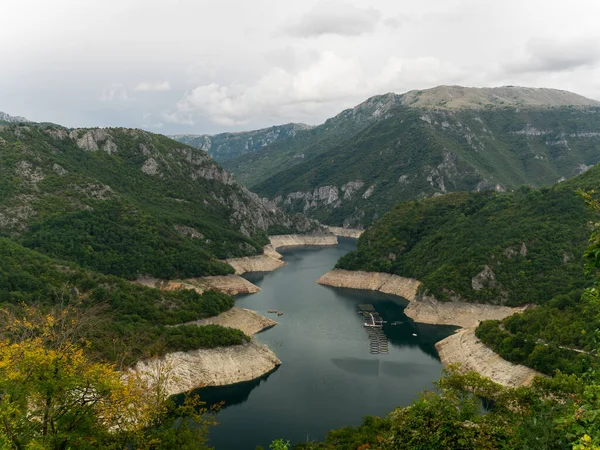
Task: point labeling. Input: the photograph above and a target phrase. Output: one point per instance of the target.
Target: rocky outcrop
(228, 284)
(461, 314)
(298, 240)
(372, 281)
(210, 367)
(240, 318)
(464, 348)
(267, 262)
(345, 232)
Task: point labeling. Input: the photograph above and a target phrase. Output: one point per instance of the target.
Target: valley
(459, 214)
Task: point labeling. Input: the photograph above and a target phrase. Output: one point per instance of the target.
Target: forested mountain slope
(126, 202)
(224, 146)
(418, 153)
(503, 248)
(253, 168)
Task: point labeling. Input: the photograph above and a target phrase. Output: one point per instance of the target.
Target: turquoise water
(328, 377)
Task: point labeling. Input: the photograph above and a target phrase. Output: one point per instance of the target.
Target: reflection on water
(328, 377)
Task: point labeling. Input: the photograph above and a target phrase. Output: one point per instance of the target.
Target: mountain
(226, 146)
(253, 168)
(128, 203)
(511, 248)
(357, 165)
(11, 119)
(458, 97)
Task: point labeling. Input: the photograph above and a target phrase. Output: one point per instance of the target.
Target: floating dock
(373, 323)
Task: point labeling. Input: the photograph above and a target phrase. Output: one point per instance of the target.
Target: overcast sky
(199, 66)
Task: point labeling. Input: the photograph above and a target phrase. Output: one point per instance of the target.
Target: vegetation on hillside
(127, 202)
(132, 321)
(560, 335)
(555, 413)
(225, 146)
(412, 153)
(515, 248)
(53, 396)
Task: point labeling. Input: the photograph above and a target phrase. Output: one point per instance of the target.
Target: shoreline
(218, 366)
(226, 365)
(462, 347)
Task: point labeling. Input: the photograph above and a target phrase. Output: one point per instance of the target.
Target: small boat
(272, 311)
(414, 334)
(397, 322)
(279, 313)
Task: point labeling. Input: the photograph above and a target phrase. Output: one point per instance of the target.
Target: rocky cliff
(463, 347)
(350, 170)
(267, 262)
(300, 240)
(210, 367)
(372, 281)
(346, 232)
(240, 318)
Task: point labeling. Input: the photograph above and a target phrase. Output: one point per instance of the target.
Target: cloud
(548, 55)
(153, 87)
(329, 78)
(114, 92)
(335, 17)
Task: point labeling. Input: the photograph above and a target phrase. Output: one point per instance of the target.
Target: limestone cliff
(345, 232)
(228, 284)
(372, 281)
(299, 240)
(240, 318)
(464, 348)
(267, 262)
(210, 367)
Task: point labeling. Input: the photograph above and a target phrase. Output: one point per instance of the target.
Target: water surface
(328, 377)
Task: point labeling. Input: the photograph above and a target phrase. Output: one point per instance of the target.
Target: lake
(328, 377)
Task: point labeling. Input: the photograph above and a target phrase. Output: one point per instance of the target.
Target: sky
(199, 66)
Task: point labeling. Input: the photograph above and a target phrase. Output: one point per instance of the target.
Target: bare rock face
(464, 348)
(29, 174)
(110, 147)
(189, 232)
(485, 278)
(351, 187)
(150, 167)
(87, 142)
(267, 262)
(372, 281)
(326, 194)
(239, 318)
(299, 240)
(213, 172)
(346, 232)
(210, 367)
(369, 191)
(57, 133)
(59, 170)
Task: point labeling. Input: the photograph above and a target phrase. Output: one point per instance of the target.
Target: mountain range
(352, 169)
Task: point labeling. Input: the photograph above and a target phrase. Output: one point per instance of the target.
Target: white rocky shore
(216, 366)
(462, 347)
(267, 262)
(301, 240)
(228, 284)
(210, 367)
(345, 232)
(243, 319)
